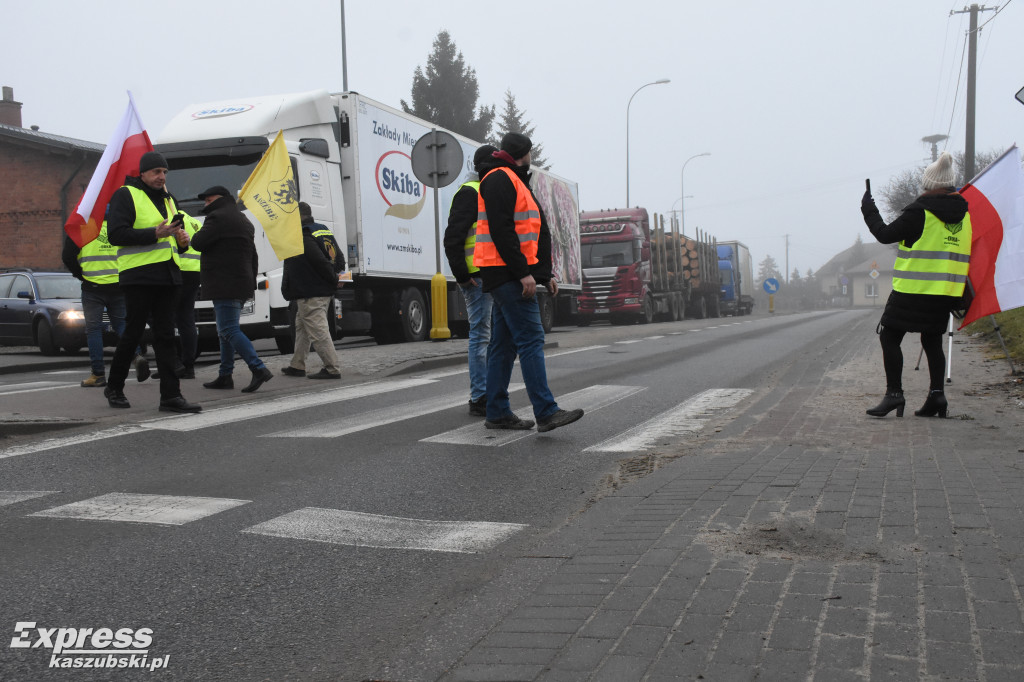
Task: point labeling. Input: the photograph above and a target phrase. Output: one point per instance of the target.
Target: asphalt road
(339, 520)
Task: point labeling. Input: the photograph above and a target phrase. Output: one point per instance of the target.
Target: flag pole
(995, 325)
(949, 353)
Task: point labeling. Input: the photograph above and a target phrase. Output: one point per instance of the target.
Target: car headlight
(249, 307)
(72, 315)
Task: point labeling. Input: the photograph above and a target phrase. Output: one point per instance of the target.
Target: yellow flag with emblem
(272, 196)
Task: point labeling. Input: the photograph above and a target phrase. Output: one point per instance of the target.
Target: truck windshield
(190, 175)
(607, 255)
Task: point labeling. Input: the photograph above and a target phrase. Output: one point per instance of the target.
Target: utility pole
(972, 65)
(787, 259)
(934, 141)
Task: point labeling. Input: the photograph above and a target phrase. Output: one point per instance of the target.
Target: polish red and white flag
(120, 159)
(995, 199)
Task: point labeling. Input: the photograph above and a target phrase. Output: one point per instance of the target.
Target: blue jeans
(93, 303)
(516, 329)
(478, 306)
(232, 338)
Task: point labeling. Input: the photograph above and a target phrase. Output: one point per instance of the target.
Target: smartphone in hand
(867, 184)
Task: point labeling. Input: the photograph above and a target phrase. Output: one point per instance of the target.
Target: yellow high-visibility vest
(189, 261)
(98, 259)
(147, 216)
(938, 262)
(470, 243)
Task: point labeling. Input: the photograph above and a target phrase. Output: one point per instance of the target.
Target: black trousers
(892, 358)
(185, 318)
(156, 305)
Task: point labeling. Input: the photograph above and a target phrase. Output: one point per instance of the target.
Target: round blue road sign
(771, 285)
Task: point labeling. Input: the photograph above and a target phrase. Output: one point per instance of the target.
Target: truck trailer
(351, 159)
(737, 294)
(633, 273)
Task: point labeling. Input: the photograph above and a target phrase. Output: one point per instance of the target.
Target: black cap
(215, 190)
(151, 160)
(482, 154)
(516, 144)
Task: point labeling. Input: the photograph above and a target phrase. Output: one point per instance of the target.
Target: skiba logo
(217, 112)
(90, 647)
(398, 186)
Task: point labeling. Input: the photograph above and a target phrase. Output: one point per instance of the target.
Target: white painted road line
(13, 496)
(275, 406)
(70, 441)
(339, 527)
(590, 399)
(162, 509)
(570, 351)
(30, 386)
(688, 417)
(653, 338)
(375, 418)
(627, 342)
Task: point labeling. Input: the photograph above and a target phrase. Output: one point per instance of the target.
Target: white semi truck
(351, 157)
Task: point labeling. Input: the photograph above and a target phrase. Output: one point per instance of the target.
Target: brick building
(42, 177)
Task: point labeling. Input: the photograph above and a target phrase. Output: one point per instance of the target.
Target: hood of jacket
(948, 207)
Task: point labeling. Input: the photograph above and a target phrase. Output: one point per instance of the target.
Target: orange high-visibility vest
(527, 220)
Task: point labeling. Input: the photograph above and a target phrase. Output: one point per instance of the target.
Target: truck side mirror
(315, 146)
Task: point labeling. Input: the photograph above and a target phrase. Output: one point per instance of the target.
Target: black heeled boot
(892, 400)
(935, 405)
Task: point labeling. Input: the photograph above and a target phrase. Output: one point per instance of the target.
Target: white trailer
(351, 157)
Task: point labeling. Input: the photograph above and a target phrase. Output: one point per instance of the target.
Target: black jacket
(309, 275)
(499, 195)
(228, 262)
(915, 312)
(121, 232)
(460, 219)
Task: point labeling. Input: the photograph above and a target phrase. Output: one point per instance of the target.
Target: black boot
(935, 405)
(893, 400)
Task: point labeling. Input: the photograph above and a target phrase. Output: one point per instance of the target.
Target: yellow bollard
(771, 303)
(439, 308)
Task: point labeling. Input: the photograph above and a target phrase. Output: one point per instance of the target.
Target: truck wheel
(702, 308)
(713, 307)
(45, 336)
(547, 312)
(647, 315)
(413, 317)
(675, 308)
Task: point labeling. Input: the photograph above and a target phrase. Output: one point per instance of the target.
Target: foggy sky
(797, 102)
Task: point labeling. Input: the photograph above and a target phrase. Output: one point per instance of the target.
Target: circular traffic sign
(437, 159)
(771, 285)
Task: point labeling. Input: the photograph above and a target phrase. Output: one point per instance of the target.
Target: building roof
(57, 142)
(860, 259)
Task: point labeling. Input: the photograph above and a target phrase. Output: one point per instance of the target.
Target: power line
(998, 10)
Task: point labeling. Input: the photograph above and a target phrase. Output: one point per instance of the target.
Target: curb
(15, 425)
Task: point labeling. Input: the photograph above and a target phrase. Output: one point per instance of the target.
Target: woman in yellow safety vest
(934, 236)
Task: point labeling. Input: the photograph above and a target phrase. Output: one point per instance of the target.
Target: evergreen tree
(513, 120)
(446, 93)
(769, 268)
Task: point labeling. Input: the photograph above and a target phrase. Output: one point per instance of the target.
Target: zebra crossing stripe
(161, 509)
(590, 399)
(14, 496)
(358, 529)
(275, 406)
(687, 417)
(387, 415)
(69, 441)
(31, 386)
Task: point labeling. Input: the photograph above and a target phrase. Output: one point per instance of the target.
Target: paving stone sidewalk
(804, 541)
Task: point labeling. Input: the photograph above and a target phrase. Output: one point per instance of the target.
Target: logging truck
(636, 272)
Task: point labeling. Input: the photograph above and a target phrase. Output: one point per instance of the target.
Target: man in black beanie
(513, 252)
(144, 222)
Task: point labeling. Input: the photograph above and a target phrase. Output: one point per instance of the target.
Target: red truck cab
(615, 256)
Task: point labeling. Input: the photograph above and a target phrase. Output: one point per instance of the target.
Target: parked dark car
(44, 309)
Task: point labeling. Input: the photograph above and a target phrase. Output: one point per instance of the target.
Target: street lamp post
(682, 178)
(657, 82)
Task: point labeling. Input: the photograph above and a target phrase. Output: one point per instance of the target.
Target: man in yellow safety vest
(143, 221)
